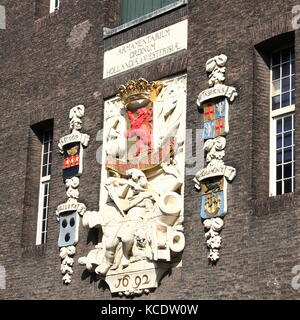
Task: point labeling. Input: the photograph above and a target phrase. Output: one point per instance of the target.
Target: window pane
(288, 185)
(279, 125)
(285, 84)
(132, 9)
(279, 142)
(285, 70)
(288, 139)
(279, 187)
(278, 172)
(45, 158)
(279, 157)
(49, 169)
(287, 154)
(276, 102)
(287, 170)
(45, 202)
(45, 212)
(156, 4)
(276, 73)
(46, 186)
(285, 100)
(44, 171)
(287, 123)
(44, 225)
(276, 87)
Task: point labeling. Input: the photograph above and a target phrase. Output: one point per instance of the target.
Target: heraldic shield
(72, 165)
(212, 180)
(215, 118)
(212, 197)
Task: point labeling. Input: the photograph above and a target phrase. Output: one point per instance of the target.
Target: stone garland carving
(67, 214)
(141, 197)
(212, 180)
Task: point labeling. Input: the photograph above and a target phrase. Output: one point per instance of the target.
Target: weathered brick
(51, 64)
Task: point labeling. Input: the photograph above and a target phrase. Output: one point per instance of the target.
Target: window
(2, 18)
(44, 7)
(43, 207)
(132, 9)
(54, 5)
(282, 144)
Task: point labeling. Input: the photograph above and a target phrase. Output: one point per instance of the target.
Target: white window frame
(54, 5)
(274, 116)
(43, 181)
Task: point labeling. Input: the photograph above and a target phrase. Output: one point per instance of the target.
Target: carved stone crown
(140, 89)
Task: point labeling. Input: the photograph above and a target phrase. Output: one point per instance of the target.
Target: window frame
(280, 113)
(54, 5)
(44, 180)
(108, 32)
(134, 6)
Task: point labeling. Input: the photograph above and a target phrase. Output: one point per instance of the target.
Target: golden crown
(139, 89)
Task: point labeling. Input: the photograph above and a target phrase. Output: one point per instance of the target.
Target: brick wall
(53, 63)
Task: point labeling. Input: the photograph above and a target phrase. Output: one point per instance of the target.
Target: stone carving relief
(68, 214)
(216, 69)
(212, 180)
(141, 197)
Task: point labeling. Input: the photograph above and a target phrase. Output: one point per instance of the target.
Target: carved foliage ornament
(141, 196)
(68, 214)
(212, 180)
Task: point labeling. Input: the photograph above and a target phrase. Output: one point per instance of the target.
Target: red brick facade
(49, 65)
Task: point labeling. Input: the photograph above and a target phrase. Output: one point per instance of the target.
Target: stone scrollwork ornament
(212, 180)
(68, 214)
(66, 254)
(141, 196)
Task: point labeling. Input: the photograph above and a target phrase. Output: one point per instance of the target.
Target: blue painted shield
(212, 205)
(68, 229)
